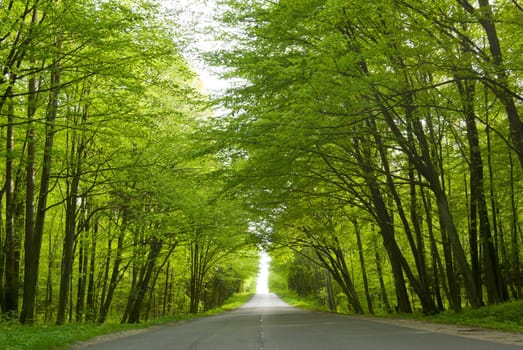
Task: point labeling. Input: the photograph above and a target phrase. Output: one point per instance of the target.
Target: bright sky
(262, 284)
(197, 18)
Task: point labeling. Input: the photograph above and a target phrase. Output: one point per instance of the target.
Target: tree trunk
(70, 230)
(143, 283)
(363, 267)
(166, 299)
(478, 204)
(196, 278)
(90, 312)
(383, 290)
(331, 300)
(420, 286)
(105, 303)
(501, 86)
(34, 235)
(515, 234)
(332, 258)
(386, 230)
(157, 275)
(425, 166)
(437, 266)
(137, 267)
(49, 282)
(11, 261)
(83, 262)
(68, 248)
(10, 250)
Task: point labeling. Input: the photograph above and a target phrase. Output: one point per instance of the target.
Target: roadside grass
(51, 337)
(234, 302)
(306, 303)
(506, 316)
(14, 336)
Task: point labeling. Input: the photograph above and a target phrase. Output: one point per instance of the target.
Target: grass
(18, 337)
(506, 316)
(293, 299)
(14, 336)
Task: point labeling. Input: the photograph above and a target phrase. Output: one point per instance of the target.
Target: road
(267, 323)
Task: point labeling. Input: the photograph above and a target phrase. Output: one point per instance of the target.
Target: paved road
(267, 323)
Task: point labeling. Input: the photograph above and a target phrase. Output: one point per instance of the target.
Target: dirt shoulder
(458, 330)
(107, 337)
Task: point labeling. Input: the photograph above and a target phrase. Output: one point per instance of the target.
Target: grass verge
(295, 300)
(14, 336)
(505, 316)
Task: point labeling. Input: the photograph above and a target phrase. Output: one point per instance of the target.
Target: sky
(262, 284)
(197, 17)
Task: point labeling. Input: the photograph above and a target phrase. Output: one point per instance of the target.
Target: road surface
(267, 323)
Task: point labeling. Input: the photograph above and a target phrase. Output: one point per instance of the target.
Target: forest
(382, 144)
(110, 209)
(373, 147)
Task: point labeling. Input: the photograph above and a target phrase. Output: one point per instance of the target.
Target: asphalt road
(267, 323)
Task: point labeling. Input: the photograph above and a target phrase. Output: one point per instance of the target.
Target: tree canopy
(107, 187)
(374, 148)
(391, 128)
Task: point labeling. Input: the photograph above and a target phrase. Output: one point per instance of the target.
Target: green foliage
(19, 337)
(132, 184)
(503, 316)
(14, 336)
(306, 303)
(384, 115)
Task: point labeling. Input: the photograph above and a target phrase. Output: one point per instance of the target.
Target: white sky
(197, 18)
(262, 284)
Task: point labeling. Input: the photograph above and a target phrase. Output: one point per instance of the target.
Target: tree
(99, 136)
(373, 104)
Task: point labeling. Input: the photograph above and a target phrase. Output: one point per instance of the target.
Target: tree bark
(501, 88)
(142, 285)
(90, 312)
(420, 286)
(330, 293)
(332, 258)
(515, 234)
(83, 263)
(196, 278)
(105, 303)
(73, 186)
(478, 204)
(363, 267)
(11, 262)
(33, 240)
(425, 166)
(386, 229)
(437, 266)
(383, 290)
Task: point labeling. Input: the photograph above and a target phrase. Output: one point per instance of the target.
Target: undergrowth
(14, 336)
(504, 316)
